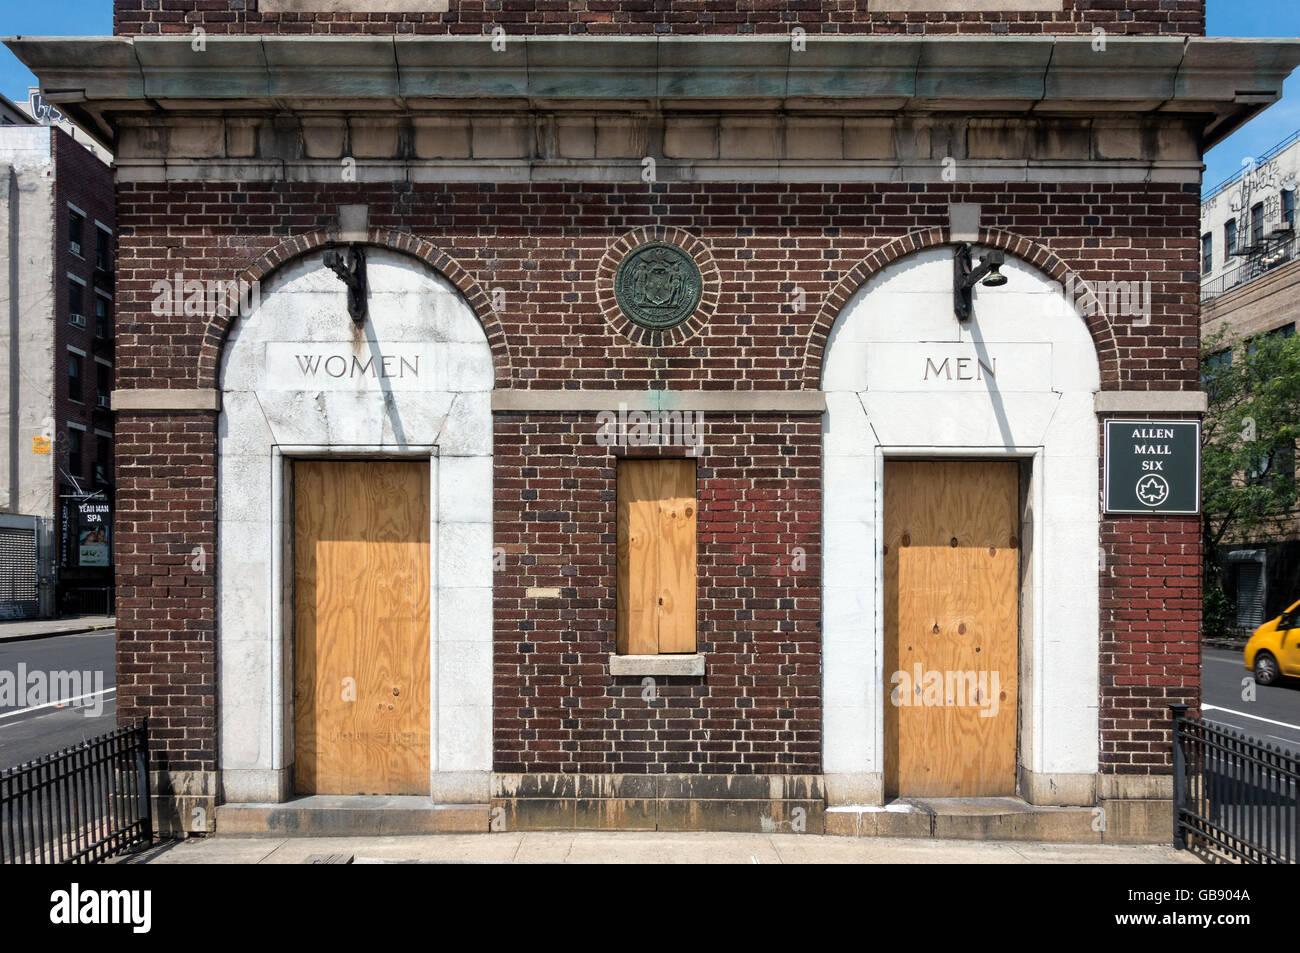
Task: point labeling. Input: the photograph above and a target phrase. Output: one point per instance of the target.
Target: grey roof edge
(117, 67)
(1231, 78)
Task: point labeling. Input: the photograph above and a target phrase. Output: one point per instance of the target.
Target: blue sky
(1280, 18)
(1226, 18)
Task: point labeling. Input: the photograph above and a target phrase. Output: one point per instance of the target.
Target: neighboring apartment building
(56, 206)
(1250, 286)
(603, 435)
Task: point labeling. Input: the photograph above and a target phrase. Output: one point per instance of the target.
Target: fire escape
(1264, 230)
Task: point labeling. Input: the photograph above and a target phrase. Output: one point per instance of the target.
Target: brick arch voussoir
(214, 337)
(1044, 259)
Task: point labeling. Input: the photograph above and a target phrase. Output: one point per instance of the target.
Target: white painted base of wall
(860, 788)
(256, 785)
(1063, 790)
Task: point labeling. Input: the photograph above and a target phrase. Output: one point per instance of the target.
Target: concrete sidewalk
(44, 628)
(566, 847)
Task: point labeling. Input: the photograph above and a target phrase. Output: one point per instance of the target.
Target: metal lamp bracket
(352, 272)
(965, 276)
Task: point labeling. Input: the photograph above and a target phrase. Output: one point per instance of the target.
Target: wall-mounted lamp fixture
(965, 277)
(352, 272)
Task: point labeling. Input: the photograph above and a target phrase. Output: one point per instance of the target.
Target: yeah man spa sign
(1153, 466)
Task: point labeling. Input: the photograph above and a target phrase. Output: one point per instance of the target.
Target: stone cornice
(696, 146)
(1223, 80)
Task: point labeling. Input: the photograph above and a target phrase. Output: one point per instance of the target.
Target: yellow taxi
(1274, 650)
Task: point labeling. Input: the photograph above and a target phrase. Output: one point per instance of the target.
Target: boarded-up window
(656, 556)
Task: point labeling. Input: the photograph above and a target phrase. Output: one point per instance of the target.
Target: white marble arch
(1038, 409)
(271, 412)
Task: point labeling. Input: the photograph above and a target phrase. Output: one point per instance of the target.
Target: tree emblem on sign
(1152, 490)
(658, 285)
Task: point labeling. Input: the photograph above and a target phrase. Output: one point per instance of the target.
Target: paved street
(37, 726)
(1273, 717)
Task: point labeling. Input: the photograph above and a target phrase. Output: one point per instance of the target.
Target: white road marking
(1270, 721)
(53, 704)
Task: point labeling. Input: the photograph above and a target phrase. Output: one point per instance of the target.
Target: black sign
(1153, 466)
(87, 530)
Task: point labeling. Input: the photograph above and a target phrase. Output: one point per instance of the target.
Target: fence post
(1180, 775)
(142, 781)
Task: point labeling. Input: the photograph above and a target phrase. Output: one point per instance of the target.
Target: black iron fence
(1234, 797)
(78, 805)
(95, 600)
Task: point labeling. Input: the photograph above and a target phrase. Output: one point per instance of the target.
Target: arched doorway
(944, 441)
(355, 539)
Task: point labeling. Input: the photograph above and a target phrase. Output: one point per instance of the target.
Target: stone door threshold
(1005, 818)
(329, 815)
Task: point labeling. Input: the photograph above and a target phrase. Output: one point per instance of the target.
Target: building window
(103, 249)
(103, 384)
(657, 513)
(1276, 466)
(75, 438)
(1257, 223)
(1230, 238)
(1288, 208)
(74, 376)
(76, 304)
(1207, 253)
(103, 317)
(103, 458)
(1285, 331)
(1217, 361)
(1214, 365)
(76, 229)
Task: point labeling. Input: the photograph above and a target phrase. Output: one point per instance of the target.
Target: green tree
(1248, 439)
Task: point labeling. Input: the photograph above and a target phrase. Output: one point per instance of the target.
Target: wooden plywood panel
(656, 557)
(951, 617)
(361, 627)
(638, 566)
(677, 555)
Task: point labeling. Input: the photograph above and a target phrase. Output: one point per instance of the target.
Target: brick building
(564, 412)
(56, 456)
(1250, 286)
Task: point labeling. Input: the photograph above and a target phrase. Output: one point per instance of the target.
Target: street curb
(4, 639)
(1224, 643)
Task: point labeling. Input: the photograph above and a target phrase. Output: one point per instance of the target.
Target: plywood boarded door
(656, 557)
(951, 619)
(361, 627)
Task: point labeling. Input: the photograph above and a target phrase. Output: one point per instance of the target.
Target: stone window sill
(656, 664)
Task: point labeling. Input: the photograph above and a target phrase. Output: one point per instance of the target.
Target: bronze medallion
(658, 285)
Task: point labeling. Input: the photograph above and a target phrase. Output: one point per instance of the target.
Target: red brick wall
(86, 182)
(541, 244)
(1150, 638)
(166, 584)
(659, 16)
(556, 707)
(1150, 635)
